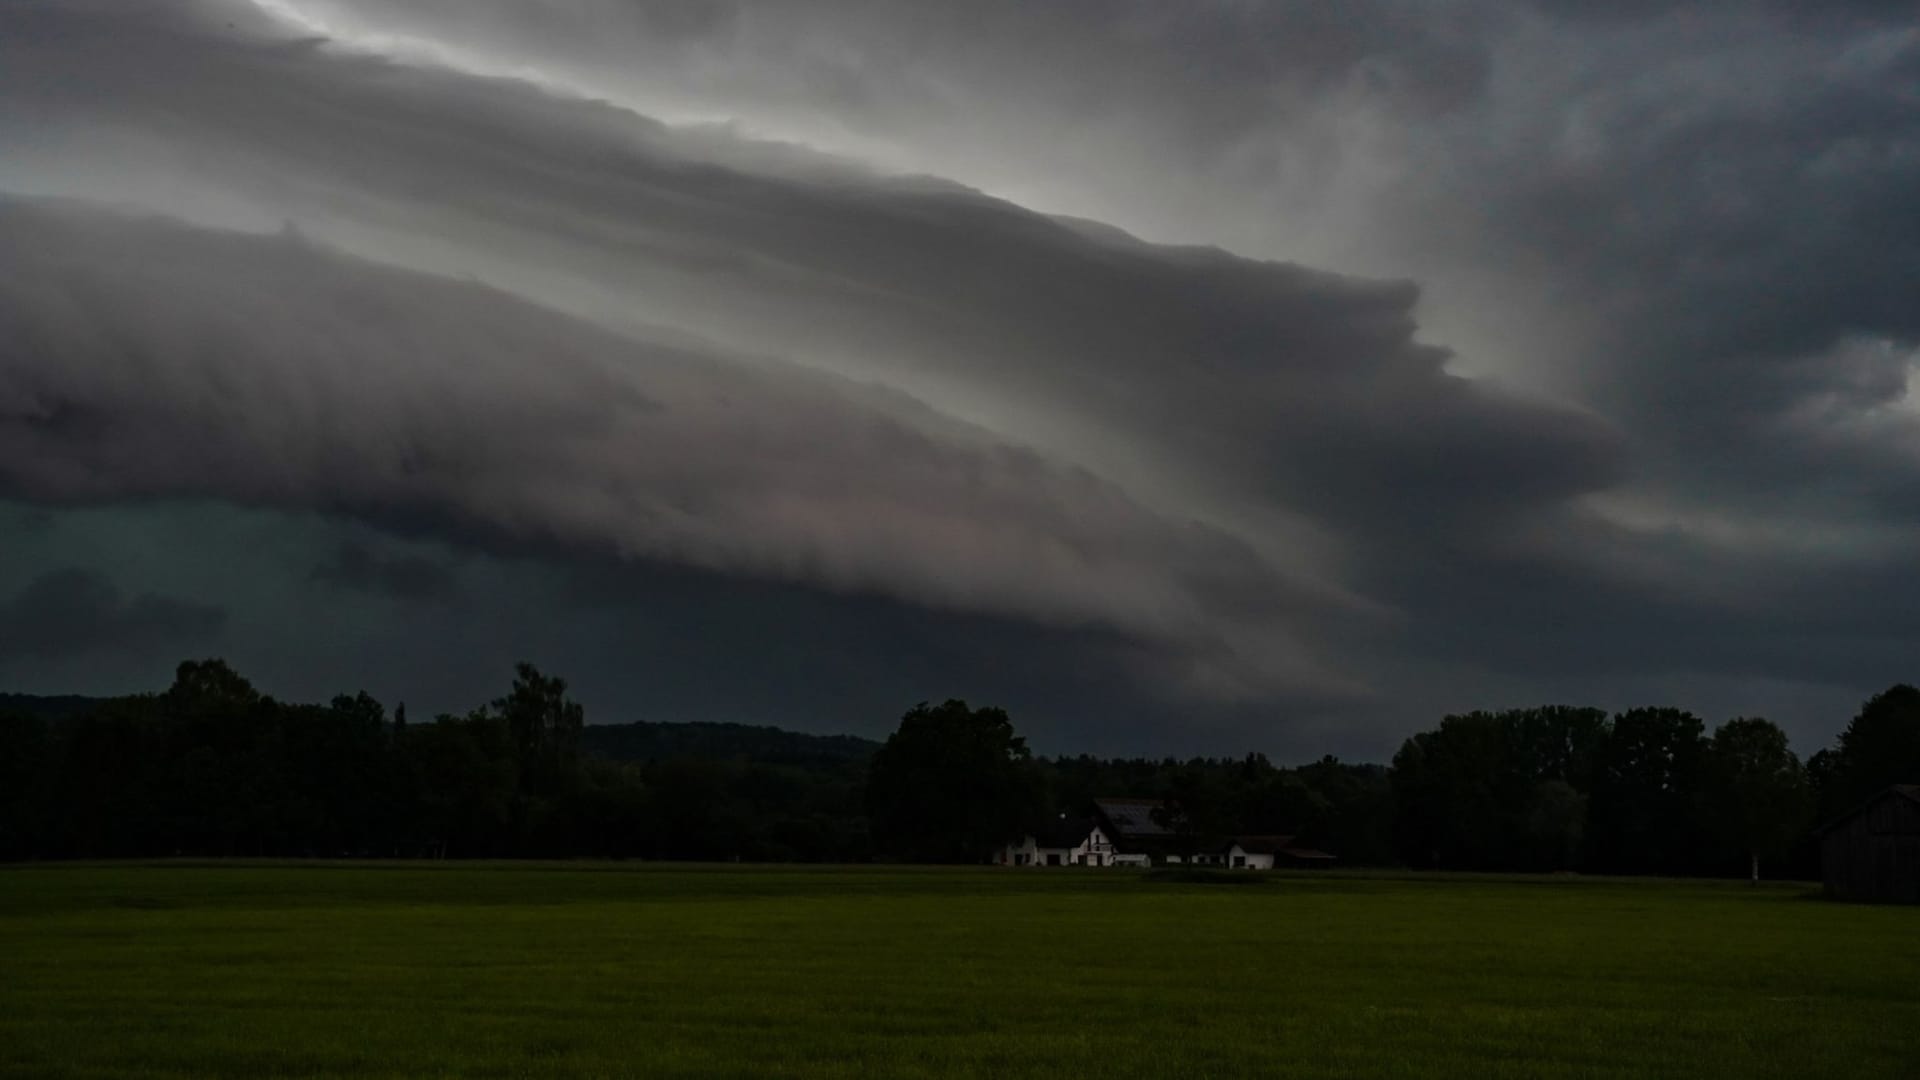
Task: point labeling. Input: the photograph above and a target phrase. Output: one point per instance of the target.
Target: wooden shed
(1872, 853)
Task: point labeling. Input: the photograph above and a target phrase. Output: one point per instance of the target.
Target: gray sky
(1184, 378)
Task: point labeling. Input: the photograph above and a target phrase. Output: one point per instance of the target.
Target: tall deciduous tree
(1192, 806)
(950, 785)
(544, 725)
(1459, 793)
(1879, 748)
(1757, 790)
(1557, 742)
(1645, 812)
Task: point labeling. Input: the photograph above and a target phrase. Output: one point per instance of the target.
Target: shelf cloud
(1297, 374)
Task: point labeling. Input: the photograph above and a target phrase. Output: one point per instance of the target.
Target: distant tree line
(212, 767)
(1645, 791)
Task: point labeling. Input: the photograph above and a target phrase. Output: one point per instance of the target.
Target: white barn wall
(1241, 859)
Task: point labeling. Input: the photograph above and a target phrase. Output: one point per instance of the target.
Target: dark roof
(1905, 791)
(1132, 817)
(1154, 846)
(1278, 846)
(1134, 832)
(1260, 845)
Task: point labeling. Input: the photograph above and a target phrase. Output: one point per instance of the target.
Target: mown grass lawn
(251, 970)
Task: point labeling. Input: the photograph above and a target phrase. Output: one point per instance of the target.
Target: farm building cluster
(1133, 832)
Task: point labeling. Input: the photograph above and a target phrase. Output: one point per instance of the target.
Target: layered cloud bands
(818, 295)
(150, 359)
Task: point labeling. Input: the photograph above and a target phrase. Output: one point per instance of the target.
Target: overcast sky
(1193, 377)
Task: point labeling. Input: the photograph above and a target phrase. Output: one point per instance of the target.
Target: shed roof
(1261, 845)
(1897, 791)
(1278, 846)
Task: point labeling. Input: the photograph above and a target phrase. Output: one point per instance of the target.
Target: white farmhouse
(1129, 832)
(1068, 841)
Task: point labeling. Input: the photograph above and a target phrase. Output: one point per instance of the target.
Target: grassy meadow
(552, 970)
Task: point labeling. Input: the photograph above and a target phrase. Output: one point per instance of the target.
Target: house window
(1053, 858)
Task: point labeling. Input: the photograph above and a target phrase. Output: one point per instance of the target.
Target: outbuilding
(1872, 853)
(1268, 852)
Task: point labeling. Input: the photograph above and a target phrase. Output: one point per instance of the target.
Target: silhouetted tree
(1645, 813)
(24, 764)
(461, 775)
(1758, 792)
(1556, 825)
(544, 726)
(1460, 797)
(1257, 798)
(1194, 805)
(1556, 742)
(1347, 809)
(950, 785)
(1880, 747)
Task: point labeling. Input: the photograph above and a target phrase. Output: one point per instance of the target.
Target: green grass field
(252, 970)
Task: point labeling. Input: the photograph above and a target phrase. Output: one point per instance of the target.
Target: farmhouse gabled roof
(1897, 791)
(1132, 817)
(1135, 832)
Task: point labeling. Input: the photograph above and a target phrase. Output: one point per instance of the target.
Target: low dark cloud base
(407, 578)
(77, 612)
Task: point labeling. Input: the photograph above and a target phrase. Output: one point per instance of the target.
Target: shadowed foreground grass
(250, 970)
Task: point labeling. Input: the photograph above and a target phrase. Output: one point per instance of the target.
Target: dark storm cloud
(1628, 10)
(1724, 190)
(636, 640)
(1712, 197)
(414, 578)
(685, 644)
(884, 62)
(75, 611)
(1724, 201)
(155, 360)
(1211, 386)
(1297, 385)
(1753, 230)
(1691, 227)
